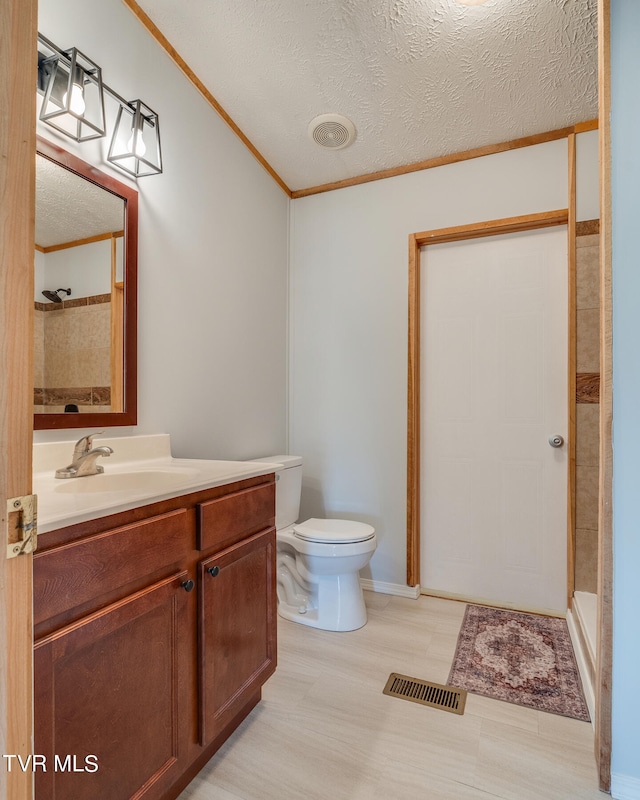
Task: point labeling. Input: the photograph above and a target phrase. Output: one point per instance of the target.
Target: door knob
(187, 585)
(213, 571)
(555, 440)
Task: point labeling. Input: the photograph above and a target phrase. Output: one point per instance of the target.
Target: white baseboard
(577, 641)
(399, 589)
(624, 787)
(585, 611)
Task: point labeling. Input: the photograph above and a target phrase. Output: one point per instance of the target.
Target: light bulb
(77, 104)
(136, 144)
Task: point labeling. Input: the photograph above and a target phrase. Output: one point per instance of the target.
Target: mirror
(85, 303)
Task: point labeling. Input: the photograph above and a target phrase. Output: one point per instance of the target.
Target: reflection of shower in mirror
(85, 238)
(54, 296)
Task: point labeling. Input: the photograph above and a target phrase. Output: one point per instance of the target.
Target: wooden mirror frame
(129, 414)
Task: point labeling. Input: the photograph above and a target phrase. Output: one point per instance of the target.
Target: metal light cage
(73, 98)
(135, 146)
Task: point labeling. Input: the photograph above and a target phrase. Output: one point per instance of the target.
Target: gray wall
(348, 310)
(212, 254)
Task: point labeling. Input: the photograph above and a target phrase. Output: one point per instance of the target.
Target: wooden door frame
(18, 22)
(477, 230)
(604, 651)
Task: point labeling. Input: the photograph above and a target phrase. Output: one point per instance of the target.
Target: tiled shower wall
(73, 354)
(587, 404)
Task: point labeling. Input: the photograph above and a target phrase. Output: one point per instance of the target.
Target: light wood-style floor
(325, 731)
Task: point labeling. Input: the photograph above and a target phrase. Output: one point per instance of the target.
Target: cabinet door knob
(213, 571)
(187, 585)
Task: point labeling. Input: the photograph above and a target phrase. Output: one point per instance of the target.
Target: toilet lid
(333, 531)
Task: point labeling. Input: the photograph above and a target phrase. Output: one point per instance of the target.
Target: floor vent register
(447, 698)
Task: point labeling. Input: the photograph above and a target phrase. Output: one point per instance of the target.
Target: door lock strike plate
(22, 525)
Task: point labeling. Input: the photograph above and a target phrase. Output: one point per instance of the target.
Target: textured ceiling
(69, 207)
(419, 78)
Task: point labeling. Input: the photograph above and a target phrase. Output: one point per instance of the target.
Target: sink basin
(140, 471)
(134, 481)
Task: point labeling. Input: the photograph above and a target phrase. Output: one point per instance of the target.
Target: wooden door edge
(604, 630)
(571, 372)
(18, 22)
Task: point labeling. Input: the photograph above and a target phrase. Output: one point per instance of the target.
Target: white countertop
(140, 471)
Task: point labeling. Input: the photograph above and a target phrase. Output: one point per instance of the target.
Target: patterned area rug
(520, 658)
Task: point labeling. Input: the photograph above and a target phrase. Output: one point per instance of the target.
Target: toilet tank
(288, 488)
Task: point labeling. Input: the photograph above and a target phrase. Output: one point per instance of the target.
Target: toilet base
(339, 607)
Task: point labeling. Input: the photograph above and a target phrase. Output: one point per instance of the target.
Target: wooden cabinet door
(112, 692)
(237, 638)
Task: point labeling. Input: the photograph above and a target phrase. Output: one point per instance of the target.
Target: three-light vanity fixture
(73, 104)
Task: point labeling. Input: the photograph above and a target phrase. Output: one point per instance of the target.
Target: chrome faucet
(84, 459)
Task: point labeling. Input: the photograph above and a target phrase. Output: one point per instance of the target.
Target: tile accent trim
(588, 387)
(587, 227)
(398, 589)
(624, 787)
(82, 396)
(92, 300)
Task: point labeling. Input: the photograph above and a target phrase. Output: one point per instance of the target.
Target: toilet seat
(333, 531)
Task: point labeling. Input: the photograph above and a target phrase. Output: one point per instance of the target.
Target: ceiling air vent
(332, 131)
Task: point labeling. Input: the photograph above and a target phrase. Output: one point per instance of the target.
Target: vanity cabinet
(112, 687)
(155, 630)
(237, 631)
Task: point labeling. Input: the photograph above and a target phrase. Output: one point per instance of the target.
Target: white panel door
(493, 390)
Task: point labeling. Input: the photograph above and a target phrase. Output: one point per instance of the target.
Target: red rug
(521, 658)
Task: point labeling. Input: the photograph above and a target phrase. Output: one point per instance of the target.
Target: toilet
(318, 560)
